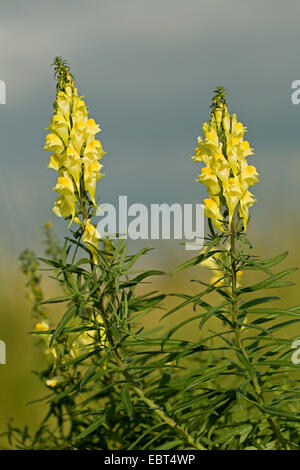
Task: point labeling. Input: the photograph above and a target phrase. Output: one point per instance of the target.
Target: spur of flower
(75, 153)
(226, 174)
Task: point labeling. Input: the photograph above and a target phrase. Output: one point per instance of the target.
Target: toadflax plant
(246, 396)
(110, 383)
(104, 375)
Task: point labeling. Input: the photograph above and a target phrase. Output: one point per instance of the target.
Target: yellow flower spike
(210, 180)
(211, 210)
(91, 176)
(246, 202)
(232, 193)
(75, 151)
(54, 144)
(227, 173)
(94, 150)
(60, 126)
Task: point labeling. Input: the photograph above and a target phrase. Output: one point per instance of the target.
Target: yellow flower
(91, 176)
(64, 207)
(79, 107)
(212, 211)
(63, 104)
(60, 126)
(52, 383)
(92, 128)
(55, 162)
(248, 176)
(54, 144)
(64, 185)
(246, 202)
(233, 154)
(222, 168)
(210, 180)
(73, 163)
(238, 129)
(232, 193)
(77, 135)
(41, 326)
(211, 138)
(91, 236)
(94, 150)
(202, 155)
(245, 149)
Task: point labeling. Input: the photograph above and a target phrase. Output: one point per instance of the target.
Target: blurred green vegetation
(19, 385)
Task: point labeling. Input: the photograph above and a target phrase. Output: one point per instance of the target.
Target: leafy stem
(238, 336)
(135, 386)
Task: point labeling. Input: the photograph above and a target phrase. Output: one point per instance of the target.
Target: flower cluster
(227, 174)
(75, 155)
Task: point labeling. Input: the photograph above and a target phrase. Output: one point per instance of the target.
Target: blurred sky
(147, 70)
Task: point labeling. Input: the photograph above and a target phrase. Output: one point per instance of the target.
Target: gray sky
(147, 70)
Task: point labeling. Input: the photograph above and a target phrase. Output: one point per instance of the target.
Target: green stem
(158, 411)
(138, 390)
(238, 337)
